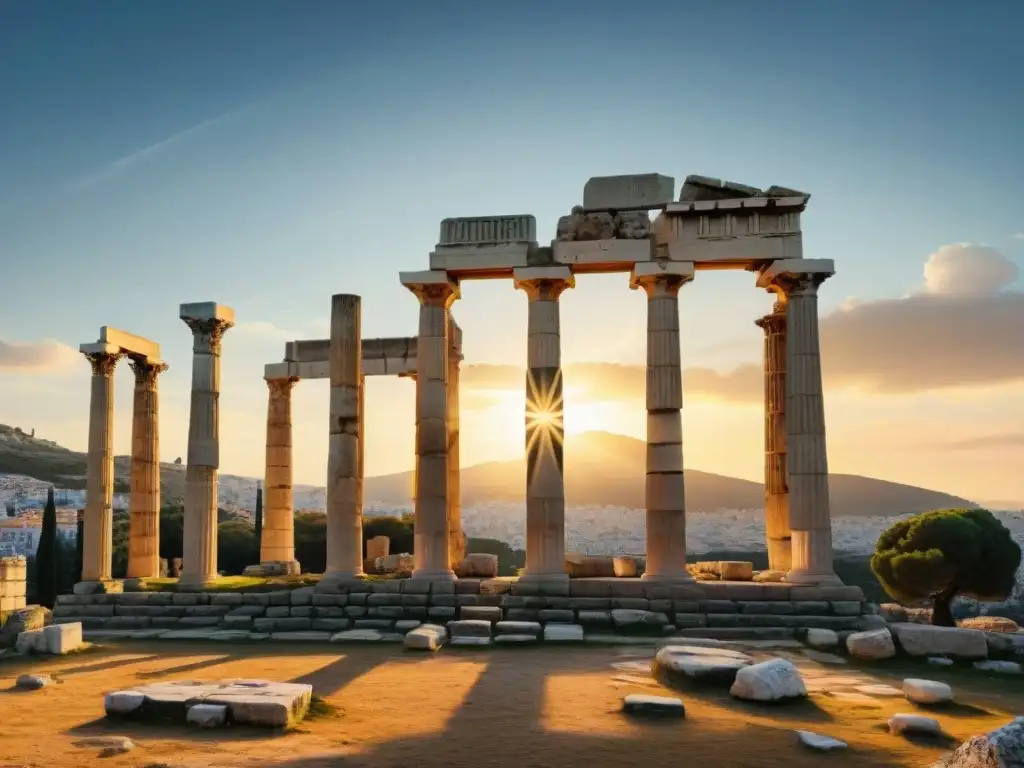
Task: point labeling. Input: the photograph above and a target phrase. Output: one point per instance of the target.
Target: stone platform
(206, 704)
(611, 606)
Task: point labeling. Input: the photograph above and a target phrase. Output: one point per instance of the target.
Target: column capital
(102, 357)
(146, 370)
(208, 321)
(795, 277)
(661, 278)
(281, 386)
(432, 287)
(775, 322)
(543, 283)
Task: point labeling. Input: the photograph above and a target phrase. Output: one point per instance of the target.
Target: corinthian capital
(103, 363)
(208, 321)
(433, 288)
(792, 278)
(146, 371)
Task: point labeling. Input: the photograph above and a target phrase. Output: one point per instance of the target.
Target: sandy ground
(506, 708)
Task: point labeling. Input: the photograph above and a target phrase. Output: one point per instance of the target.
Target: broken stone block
(696, 188)
(378, 546)
(630, 192)
(469, 628)
(1001, 748)
(697, 665)
(624, 567)
(773, 680)
(929, 640)
(632, 225)
(426, 637)
(123, 702)
(927, 691)
(818, 742)
(479, 565)
(903, 723)
(872, 645)
(25, 619)
(59, 639)
(735, 570)
(32, 682)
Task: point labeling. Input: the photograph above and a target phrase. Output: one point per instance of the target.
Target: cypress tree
(258, 519)
(46, 556)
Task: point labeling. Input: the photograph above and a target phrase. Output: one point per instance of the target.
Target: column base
(334, 577)
(669, 578)
(423, 574)
(808, 579)
(196, 582)
(274, 568)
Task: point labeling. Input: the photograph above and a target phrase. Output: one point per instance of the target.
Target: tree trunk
(942, 616)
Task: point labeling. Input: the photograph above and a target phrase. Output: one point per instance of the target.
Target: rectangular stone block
(302, 611)
(236, 622)
(521, 614)
(59, 639)
(631, 192)
(130, 343)
(331, 624)
(378, 598)
(690, 620)
(383, 624)
(385, 612)
(847, 607)
(355, 611)
(198, 621)
(810, 607)
(602, 255)
(488, 230)
(718, 606)
(480, 612)
(826, 593)
(278, 612)
(293, 624)
(767, 606)
(634, 603)
(206, 310)
(441, 612)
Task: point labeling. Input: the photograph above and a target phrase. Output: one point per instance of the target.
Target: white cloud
(36, 356)
(968, 270)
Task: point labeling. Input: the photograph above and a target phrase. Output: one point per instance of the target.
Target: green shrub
(944, 553)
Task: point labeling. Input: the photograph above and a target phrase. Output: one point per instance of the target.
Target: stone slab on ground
(426, 637)
(1001, 667)
(872, 645)
(517, 628)
(469, 628)
(658, 706)
(250, 702)
(928, 640)
(677, 666)
(819, 742)
(367, 636)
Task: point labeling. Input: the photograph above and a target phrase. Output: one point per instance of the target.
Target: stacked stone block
(600, 606)
(13, 575)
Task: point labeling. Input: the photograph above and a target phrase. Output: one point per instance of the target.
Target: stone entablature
(485, 246)
(308, 359)
(13, 580)
(722, 609)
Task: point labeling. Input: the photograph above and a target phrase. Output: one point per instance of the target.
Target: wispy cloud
(1018, 235)
(121, 165)
(37, 356)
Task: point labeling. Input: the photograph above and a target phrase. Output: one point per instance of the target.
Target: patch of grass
(237, 583)
(320, 708)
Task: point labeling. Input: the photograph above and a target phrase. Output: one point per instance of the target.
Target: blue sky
(268, 154)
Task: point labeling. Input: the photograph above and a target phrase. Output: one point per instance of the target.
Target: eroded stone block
(631, 192)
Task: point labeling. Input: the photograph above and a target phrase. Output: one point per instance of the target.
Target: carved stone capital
(103, 363)
(207, 333)
(544, 288)
(797, 284)
(281, 387)
(662, 285)
(146, 371)
(776, 321)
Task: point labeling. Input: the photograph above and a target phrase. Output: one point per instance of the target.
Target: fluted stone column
(97, 547)
(144, 507)
(545, 425)
(344, 459)
(277, 541)
(665, 488)
(797, 282)
(456, 537)
(432, 551)
(208, 322)
(776, 493)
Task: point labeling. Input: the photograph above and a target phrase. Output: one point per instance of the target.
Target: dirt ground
(534, 707)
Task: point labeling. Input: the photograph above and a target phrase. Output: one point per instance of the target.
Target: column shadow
(182, 668)
(332, 677)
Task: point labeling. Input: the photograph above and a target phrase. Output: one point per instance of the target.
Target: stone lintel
(317, 350)
(794, 267)
(631, 192)
(602, 255)
(320, 369)
(482, 261)
(99, 348)
(683, 269)
(736, 205)
(488, 230)
(206, 310)
(528, 274)
(130, 344)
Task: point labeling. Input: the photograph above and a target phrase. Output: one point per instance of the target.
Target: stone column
(456, 537)
(545, 427)
(776, 493)
(208, 322)
(436, 293)
(277, 542)
(797, 281)
(664, 490)
(344, 464)
(144, 509)
(97, 547)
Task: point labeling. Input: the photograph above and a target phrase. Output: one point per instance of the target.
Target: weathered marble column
(436, 292)
(797, 281)
(776, 493)
(344, 462)
(97, 547)
(456, 537)
(665, 488)
(208, 322)
(144, 507)
(545, 426)
(277, 542)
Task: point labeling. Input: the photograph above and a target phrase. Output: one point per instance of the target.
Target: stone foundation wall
(600, 605)
(13, 582)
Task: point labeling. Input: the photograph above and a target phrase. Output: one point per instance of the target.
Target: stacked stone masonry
(13, 579)
(720, 609)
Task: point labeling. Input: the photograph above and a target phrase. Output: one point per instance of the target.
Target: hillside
(601, 469)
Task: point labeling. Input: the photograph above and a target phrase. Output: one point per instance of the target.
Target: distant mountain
(607, 469)
(600, 469)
